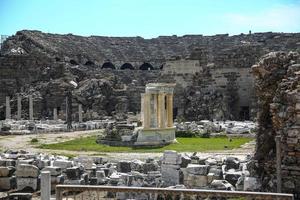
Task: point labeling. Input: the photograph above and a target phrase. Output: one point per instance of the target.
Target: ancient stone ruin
(157, 115)
(212, 73)
(68, 82)
(22, 170)
(277, 86)
(156, 118)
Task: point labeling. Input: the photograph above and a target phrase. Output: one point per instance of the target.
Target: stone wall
(277, 81)
(212, 73)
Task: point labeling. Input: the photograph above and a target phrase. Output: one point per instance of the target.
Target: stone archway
(108, 65)
(146, 66)
(127, 66)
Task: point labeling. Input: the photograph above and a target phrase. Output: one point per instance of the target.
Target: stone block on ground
(7, 183)
(7, 162)
(232, 177)
(124, 166)
(63, 164)
(6, 171)
(54, 171)
(171, 174)
(73, 173)
(195, 181)
(28, 184)
(185, 160)
(171, 157)
(221, 185)
(251, 184)
(20, 196)
(25, 170)
(197, 169)
(148, 167)
(232, 163)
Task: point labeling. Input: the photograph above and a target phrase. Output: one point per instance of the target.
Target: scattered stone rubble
(123, 134)
(20, 171)
(11, 127)
(229, 127)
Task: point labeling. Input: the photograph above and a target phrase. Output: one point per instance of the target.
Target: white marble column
(170, 110)
(30, 107)
(161, 110)
(19, 105)
(142, 108)
(7, 108)
(155, 115)
(55, 114)
(79, 113)
(147, 111)
(45, 185)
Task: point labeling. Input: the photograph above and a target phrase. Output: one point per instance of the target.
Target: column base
(155, 137)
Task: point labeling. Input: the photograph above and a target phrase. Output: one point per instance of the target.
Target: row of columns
(19, 109)
(157, 110)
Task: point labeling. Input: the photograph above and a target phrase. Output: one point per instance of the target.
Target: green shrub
(34, 140)
(185, 134)
(191, 134)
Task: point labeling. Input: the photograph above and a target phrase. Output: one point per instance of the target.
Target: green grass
(183, 145)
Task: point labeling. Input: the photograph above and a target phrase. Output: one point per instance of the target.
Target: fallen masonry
(21, 171)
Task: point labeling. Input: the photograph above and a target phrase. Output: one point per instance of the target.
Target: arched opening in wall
(89, 63)
(108, 65)
(244, 113)
(127, 66)
(161, 67)
(73, 62)
(146, 66)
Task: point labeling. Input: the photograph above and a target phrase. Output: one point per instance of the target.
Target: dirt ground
(18, 142)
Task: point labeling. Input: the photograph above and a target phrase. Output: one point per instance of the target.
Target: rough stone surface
(277, 80)
(197, 169)
(212, 72)
(28, 184)
(26, 170)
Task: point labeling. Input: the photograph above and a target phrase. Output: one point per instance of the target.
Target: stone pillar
(278, 163)
(55, 114)
(147, 111)
(142, 108)
(161, 110)
(155, 115)
(170, 110)
(7, 108)
(45, 185)
(66, 109)
(19, 105)
(79, 113)
(30, 108)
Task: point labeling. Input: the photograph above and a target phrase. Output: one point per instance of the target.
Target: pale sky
(149, 18)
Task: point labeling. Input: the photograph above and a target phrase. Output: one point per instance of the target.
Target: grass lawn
(183, 145)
